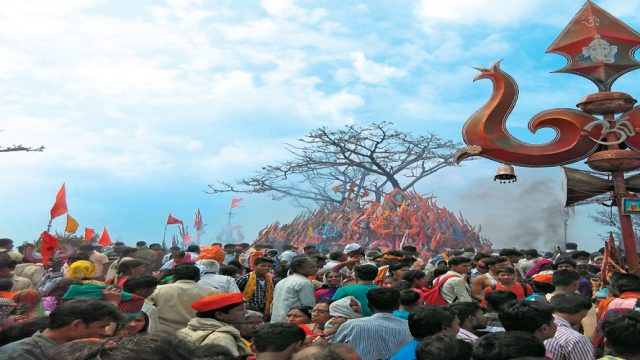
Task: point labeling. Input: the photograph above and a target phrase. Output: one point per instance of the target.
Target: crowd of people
(236, 301)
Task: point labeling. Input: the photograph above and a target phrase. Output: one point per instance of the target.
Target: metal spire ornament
(601, 48)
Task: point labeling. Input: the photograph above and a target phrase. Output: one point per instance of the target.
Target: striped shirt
(568, 344)
(376, 337)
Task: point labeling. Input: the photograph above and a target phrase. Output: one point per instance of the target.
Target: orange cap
(216, 301)
(543, 278)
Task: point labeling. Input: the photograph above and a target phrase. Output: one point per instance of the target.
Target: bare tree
(14, 148)
(359, 159)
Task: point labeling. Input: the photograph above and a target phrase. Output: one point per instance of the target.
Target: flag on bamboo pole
(105, 240)
(235, 202)
(72, 225)
(60, 206)
(88, 234)
(174, 241)
(172, 221)
(198, 222)
(48, 247)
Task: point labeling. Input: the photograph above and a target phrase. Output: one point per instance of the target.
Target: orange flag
(49, 245)
(88, 234)
(72, 225)
(60, 206)
(105, 240)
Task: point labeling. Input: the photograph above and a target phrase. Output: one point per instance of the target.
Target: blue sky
(141, 104)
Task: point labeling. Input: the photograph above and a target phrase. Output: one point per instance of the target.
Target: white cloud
(493, 13)
(372, 72)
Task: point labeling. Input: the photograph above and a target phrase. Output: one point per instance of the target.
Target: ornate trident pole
(601, 48)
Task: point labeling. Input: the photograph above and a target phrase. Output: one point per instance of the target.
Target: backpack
(433, 296)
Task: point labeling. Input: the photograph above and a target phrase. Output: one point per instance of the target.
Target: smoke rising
(527, 214)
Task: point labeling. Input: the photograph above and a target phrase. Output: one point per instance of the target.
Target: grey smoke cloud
(525, 214)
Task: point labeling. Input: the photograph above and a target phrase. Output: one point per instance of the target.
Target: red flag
(105, 240)
(198, 223)
(60, 206)
(171, 220)
(235, 202)
(88, 234)
(49, 245)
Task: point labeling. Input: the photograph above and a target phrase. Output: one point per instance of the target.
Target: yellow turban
(81, 269)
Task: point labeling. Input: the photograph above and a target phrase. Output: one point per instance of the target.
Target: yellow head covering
(81, 269)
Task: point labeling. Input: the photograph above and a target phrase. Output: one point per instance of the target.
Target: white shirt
(292, 291)
(226, 284)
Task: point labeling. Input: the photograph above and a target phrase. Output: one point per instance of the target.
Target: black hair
(128, 251)
(427, 321)
(261, 260)
(277, 337)
(580, 253)
(211, 314)
(400, 285)
(397, 266)
(154, 245)
(570, 303)
(413, 275)
(87, 310)
(141, 243)
(383, 299)
(325, 301)
(524, 315)
(366, 272)
(186, 272)
(229, 246)
(286, 247)
(410, 249)
(508, 345)
(394, 253)
(86, 247)
(77, 257)
(441, 270)
(495, 299)
(507, 269)
(306, 310)
(622, 332)
(6, 284)
(564, 277)
(299, 263)
(495, 260)
(118, 243)
(335, 255)
(564, 260)
(465, 309)
(23, 330)
(510, 252)
(4, 242)
(626, 282)
(228, 270)
(8, 264)
(458, 260)
(480, 256)
(443, 346)
(193, 248)
(306, 247)
(542, 287)
(532, 252)
(125, 267)
(175, 248)
(136, 283)
(409, 297)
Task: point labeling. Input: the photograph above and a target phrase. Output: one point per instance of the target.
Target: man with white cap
(354, 255)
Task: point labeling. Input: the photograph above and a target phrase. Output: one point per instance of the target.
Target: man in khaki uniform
(174, 300)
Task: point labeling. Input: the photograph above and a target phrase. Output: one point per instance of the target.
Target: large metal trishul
(601, 48)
